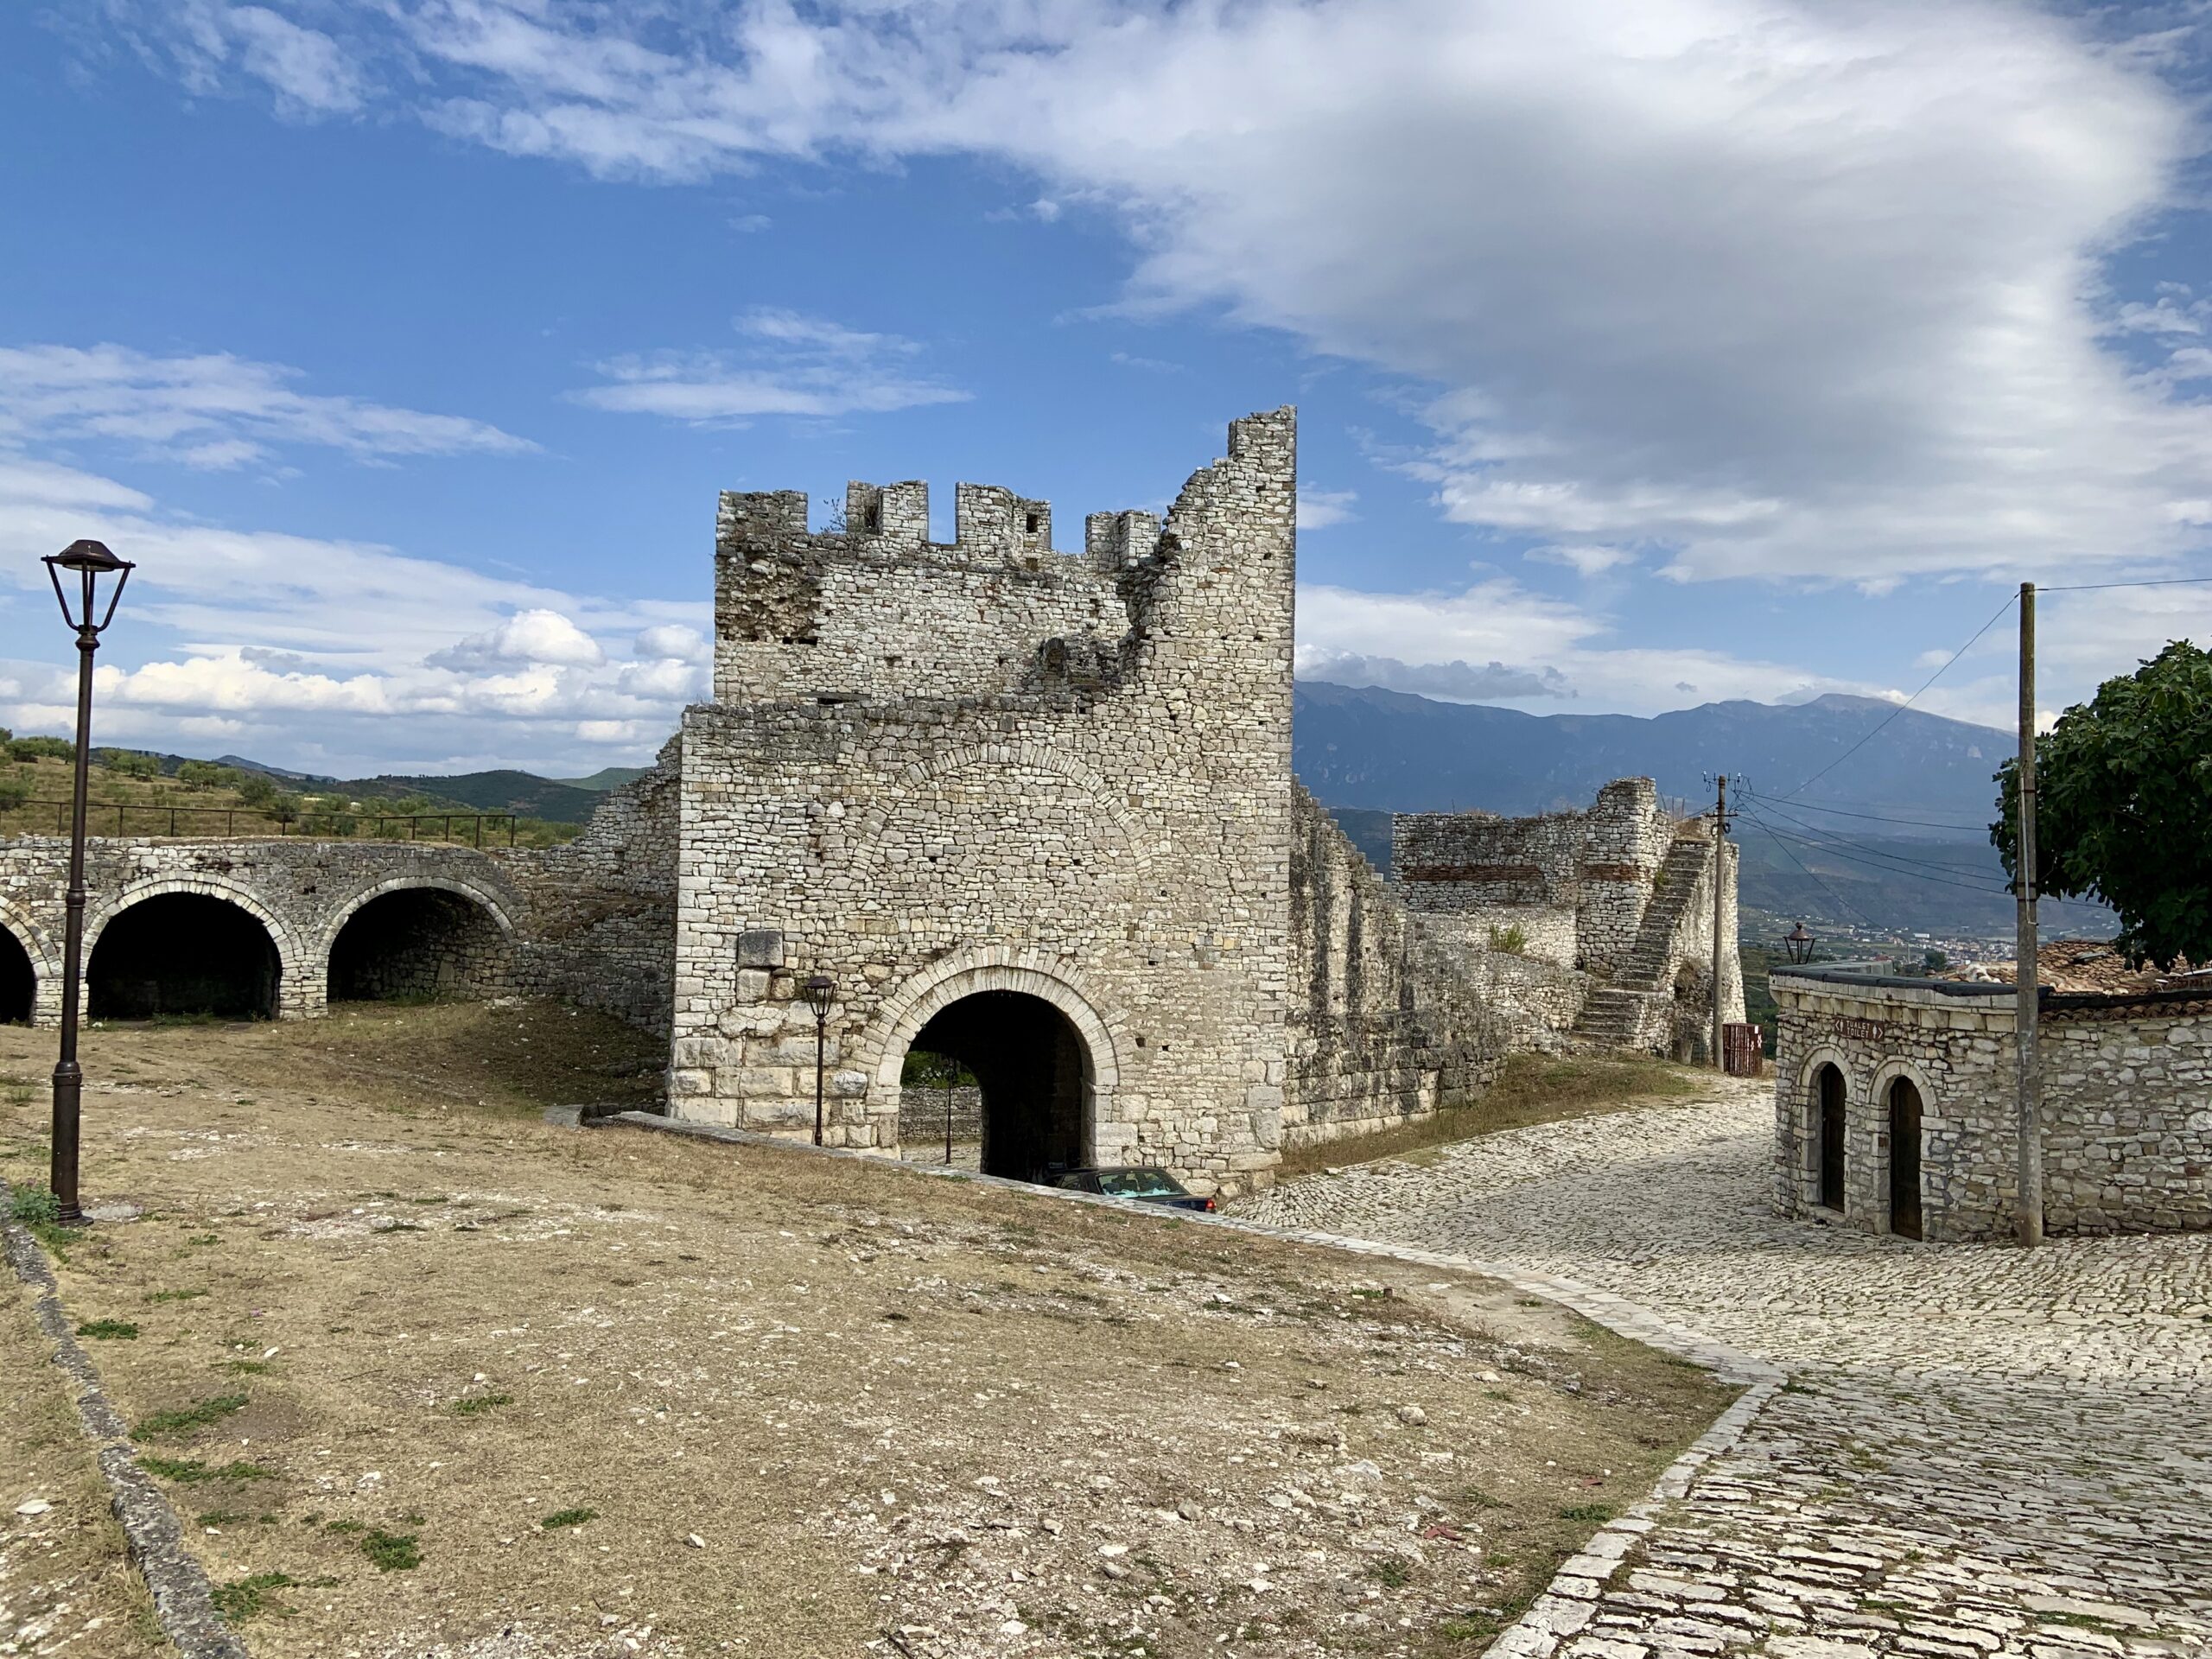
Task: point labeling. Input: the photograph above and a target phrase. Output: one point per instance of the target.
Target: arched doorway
(18, 983)
(1904, 1158)
(182, 953)
(1034, 1071)
(1828, 1130)
(418, 945)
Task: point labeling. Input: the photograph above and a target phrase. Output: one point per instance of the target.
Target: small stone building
(1617, 898)
(1895, 1106)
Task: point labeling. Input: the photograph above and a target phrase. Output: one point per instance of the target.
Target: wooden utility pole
(2024, 972)
(1720, 864)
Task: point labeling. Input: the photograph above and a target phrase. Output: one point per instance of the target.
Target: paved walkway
(1980, 1451)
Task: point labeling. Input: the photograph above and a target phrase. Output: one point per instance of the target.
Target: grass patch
(247, 1367)
(477, 1405)
(40, 1213)
(109, 1330)
(190, 1472)
(249, 1597)
(182, 1420)
(567, 1518)
(391, 1551)
(1391, 1572)
(1532, 1089)
(1598, 1513)
(174, 1295)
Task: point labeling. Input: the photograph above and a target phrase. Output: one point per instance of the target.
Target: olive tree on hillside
(2124, 806)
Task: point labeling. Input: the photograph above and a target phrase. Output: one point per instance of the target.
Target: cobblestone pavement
(1980, 1452)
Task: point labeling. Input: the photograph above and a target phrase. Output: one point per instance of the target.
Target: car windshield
(1139, 1184)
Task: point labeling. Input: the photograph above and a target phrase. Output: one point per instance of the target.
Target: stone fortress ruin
(1028, 809)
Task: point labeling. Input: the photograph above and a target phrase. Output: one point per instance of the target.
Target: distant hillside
(523, 793)
(1362, 746)
(1367, 753)
(607, 777)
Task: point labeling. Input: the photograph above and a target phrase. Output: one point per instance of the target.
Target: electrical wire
(1836, 840)
(1841, 902)
(1879, 817)
(1902, 707)
(2090, 587)
(1909, 872)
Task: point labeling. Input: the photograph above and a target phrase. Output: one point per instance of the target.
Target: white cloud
(537, 635)
(1586, 558)
(793, 364)
(671, 641)
(339, 656)
(1773, 289)
(211, 410)
(1319, 509)
(309, 71)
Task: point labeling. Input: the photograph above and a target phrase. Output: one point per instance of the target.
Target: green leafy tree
(2124, 806)
(128, 763)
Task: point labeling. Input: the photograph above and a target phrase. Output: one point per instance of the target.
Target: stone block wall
(602, 924)
(922, 1114)
(936, 772)
(2126, 1103)
(592, 921)
(1395, 1014)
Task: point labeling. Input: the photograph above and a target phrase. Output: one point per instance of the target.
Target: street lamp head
(1800, 943)
(818, 990)
(88, 561)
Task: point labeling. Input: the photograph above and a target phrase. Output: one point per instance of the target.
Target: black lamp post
(88, 562)
(817, 991)
(1801, 944)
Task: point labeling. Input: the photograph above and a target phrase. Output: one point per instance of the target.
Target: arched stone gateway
(419, 938)
(1045, 1058)
(136, 968)
(18, 980)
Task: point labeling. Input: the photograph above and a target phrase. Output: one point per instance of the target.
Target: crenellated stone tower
(1028, 808)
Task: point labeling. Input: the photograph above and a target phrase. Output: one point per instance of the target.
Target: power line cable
(1841, 901)
(1836, 839)
(1910, 873)
(1902, 707)
(2088, 586)
(1880, 817)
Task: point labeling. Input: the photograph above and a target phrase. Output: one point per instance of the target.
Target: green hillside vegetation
(133, 792)
(608, 777)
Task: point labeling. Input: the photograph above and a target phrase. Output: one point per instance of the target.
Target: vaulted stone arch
(299, 991)
(42, 957)
(419, 950)
(963, 978)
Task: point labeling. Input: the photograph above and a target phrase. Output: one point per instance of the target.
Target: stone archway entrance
(1035, 1073)
(18, 982)
(183, 953)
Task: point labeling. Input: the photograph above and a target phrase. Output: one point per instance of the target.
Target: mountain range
(1851, 813)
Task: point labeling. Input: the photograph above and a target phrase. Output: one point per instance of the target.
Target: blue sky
(1645, 354)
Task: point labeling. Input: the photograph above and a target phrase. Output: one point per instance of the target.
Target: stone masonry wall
(2126, 1104)
(591, 921)
(602, 929)
(925, 794)
(1395, 1013)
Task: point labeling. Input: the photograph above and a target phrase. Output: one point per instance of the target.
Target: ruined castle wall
(1112, 836)
(883, 611)
(2126, 1104)
(1395, 1012)
(600, 930)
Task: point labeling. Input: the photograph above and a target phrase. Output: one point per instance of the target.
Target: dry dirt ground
(424, 1376)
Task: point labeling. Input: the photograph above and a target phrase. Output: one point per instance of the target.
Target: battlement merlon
(873, 608)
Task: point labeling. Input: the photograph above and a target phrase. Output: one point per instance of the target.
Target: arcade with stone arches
(244, 932)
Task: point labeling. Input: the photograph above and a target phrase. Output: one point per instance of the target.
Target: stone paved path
(1980, 1450)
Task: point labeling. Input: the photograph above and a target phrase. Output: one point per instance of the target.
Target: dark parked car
(1150, 1185)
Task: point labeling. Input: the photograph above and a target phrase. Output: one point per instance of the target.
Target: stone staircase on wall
(1635, 1009)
